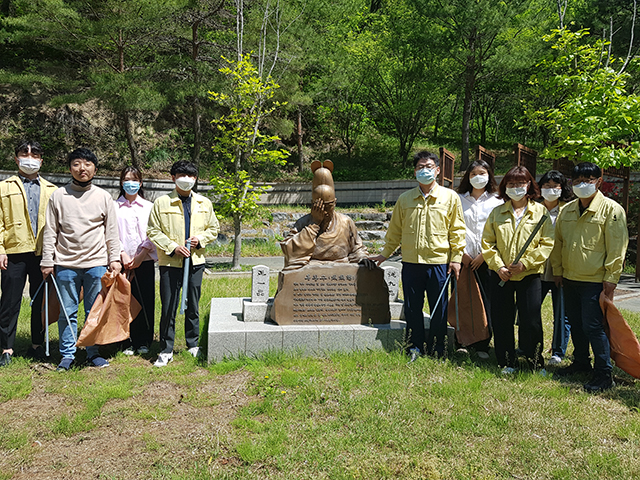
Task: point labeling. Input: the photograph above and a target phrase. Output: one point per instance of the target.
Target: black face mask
(82, 184)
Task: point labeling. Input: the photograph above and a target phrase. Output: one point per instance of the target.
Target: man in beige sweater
(80, 241)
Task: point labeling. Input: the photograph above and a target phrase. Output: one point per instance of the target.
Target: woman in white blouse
(556, 192)
(478, 192)
(138, 254)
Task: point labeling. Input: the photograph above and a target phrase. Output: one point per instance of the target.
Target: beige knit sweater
(81, 229)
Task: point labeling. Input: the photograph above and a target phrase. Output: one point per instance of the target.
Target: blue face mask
(426, 176)
(131, 187)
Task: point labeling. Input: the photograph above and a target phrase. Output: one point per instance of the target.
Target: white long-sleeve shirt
(475, 214)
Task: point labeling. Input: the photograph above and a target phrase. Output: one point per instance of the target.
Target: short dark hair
(518, 174)
(423, 154)
(465, 185)
(24, 145)
(83, 153)
(137, 173)
(184, 166)
(559, 178)
(586, 170)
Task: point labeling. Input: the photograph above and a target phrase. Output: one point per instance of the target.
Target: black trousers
(527, 294)
(170, 284)
(12, 281)
(143, 288)
(418, 278)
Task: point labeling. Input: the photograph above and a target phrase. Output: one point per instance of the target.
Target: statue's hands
(370, 264)
(317, 211)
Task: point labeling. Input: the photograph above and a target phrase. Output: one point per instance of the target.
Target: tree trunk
(300, 156)
(469, 84)
(131, 142)
(197, 133)
(237, 241)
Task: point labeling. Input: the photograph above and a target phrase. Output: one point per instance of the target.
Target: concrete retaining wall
(347, 193)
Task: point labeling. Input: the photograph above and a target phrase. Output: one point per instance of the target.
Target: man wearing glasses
(428, 222)
(587, 259)
(23, 203)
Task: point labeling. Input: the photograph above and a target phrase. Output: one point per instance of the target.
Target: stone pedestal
(230, 337)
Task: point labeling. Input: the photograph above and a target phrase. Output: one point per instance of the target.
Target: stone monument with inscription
(330, 296)
(327, 277)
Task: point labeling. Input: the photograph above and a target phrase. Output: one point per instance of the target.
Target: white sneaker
(508, 371)
(142, 350)
(163, 359)
(194, 351)
(128, 352)
(483, 355)
(554, 360)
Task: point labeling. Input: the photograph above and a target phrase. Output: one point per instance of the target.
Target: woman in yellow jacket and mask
(506, 232)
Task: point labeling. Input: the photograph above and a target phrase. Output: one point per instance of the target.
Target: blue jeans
(582, 304)
(561, 327)
(418, 278)
(70, 281)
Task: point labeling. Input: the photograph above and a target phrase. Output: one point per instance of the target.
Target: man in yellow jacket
(181, 218)
(587, 259)
(428, 223)
(23, 203)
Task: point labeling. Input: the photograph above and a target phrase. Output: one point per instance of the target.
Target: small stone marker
(260, 284)
(392, 277)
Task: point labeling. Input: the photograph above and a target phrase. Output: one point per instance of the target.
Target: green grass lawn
(365, 415)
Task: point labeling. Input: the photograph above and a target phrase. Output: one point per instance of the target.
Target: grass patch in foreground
(365, 415)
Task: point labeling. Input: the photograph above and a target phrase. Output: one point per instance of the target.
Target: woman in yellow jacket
(508, 228)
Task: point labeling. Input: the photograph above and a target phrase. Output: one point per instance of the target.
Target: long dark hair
(560, 179)
(465, 185)
(137, 173)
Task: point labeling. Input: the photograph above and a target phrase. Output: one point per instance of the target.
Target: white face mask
(551, 194)
(517, 193)
(479, 181)
(29, 165)
(185, 183)
(584, 189)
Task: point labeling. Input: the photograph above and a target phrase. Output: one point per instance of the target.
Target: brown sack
(472, 321)
(625, 349)
(112, 312)
(54, 305)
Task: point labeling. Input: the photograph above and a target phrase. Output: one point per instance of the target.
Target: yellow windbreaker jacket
(16, 234)
(430, 230)
(591, 247)
(166, 227)
(502, 240)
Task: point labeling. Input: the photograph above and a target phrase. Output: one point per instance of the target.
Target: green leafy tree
(399, 72)
(116, 43)
(241, 143)
(595, 118)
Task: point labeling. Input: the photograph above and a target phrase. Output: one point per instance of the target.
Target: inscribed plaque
(332, 294)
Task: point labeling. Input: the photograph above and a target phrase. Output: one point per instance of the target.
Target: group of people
(522, 239)
(77, 233)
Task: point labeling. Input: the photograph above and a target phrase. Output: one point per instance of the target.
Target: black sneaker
(599, 382)
(36, 353)
(5, 359)
(574, 368)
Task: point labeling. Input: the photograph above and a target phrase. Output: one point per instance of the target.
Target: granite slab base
(230, 337)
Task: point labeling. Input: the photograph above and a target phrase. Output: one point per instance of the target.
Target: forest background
(362, 83)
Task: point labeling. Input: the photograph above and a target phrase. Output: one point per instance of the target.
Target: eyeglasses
(580, 180)
(420, 166)
(517, 185)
